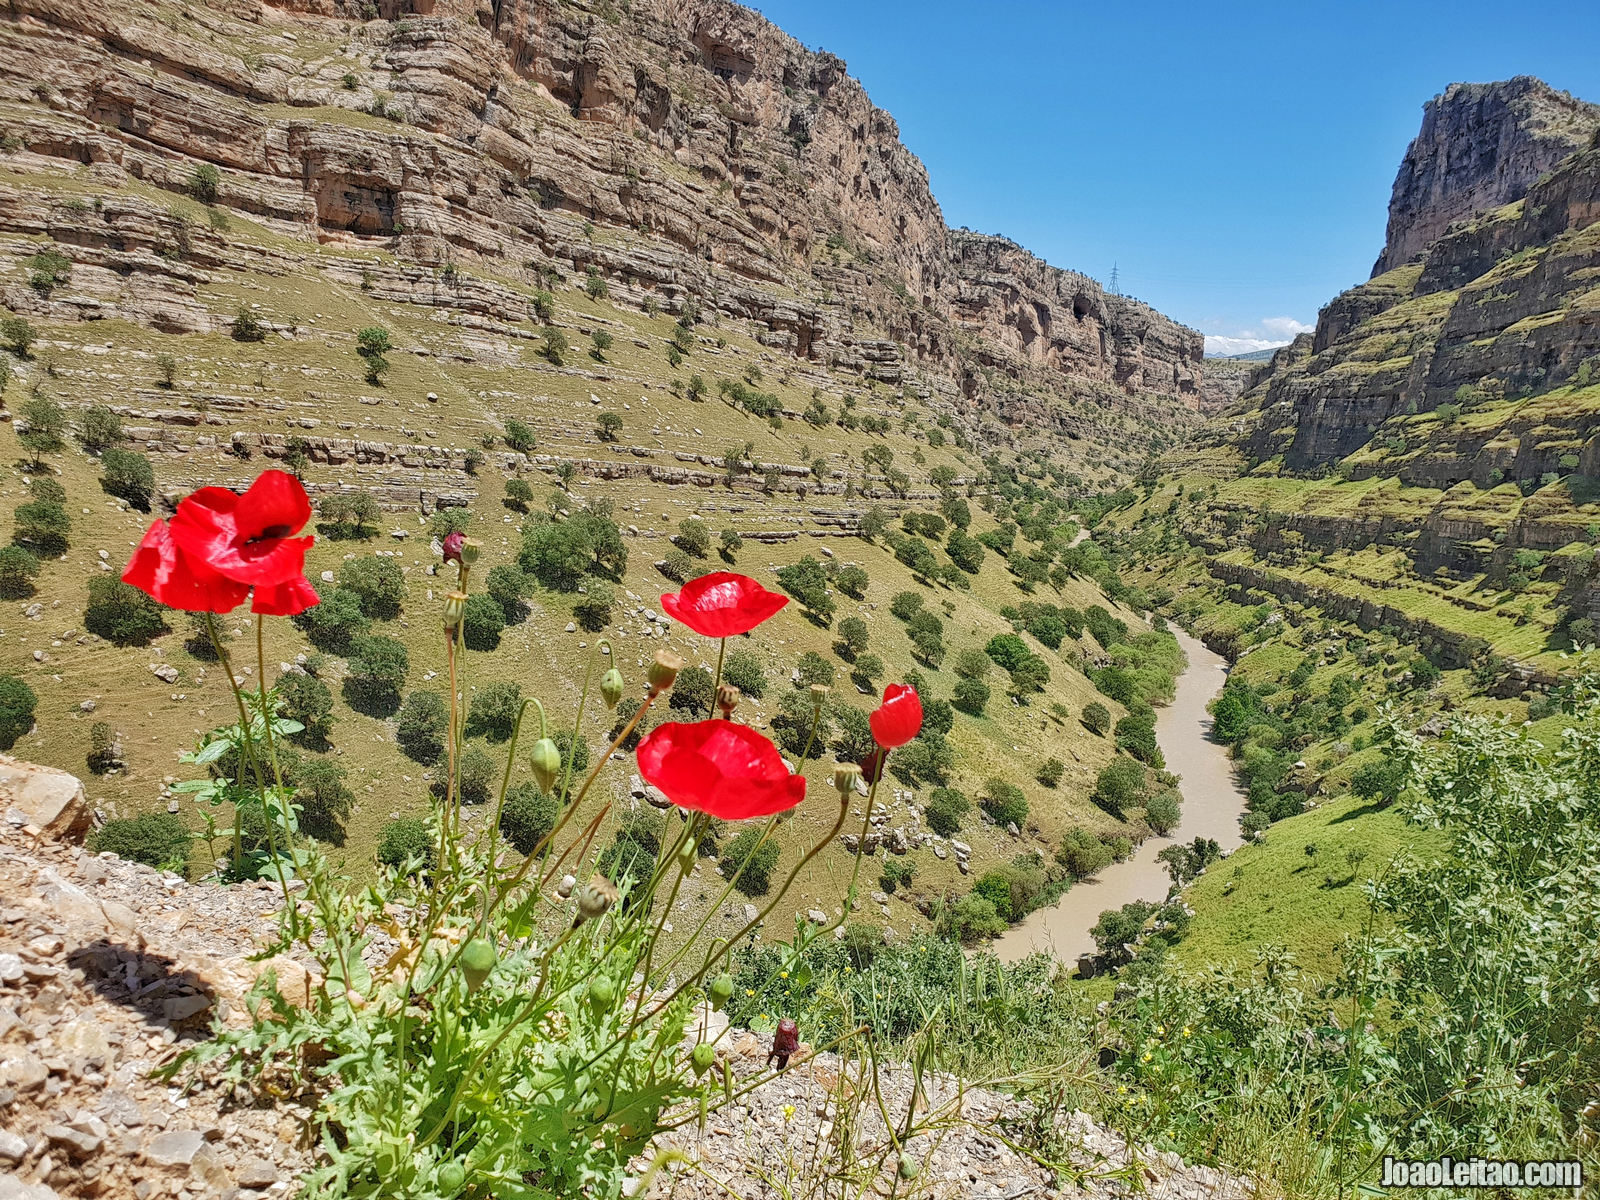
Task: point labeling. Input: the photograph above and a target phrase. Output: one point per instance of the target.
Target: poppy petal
(722, 604)
(161, 570)
(247, 537)
(899, 718)
(285, 599)
(719, 767)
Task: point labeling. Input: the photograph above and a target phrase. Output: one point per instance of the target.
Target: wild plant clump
(490, 1019)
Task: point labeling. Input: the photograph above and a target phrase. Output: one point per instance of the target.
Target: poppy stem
(722, 649)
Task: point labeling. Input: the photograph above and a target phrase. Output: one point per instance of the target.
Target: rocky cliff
(681, 151)
(1481, 145)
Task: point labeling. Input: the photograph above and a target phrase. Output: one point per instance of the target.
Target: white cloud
(1284, 327)
(1269, 334)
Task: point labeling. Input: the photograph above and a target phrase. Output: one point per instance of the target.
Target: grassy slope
(483, 374)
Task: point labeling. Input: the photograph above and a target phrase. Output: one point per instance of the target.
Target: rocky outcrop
(683, 151)
(1482, 145)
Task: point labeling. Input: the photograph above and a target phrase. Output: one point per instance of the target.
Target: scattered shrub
(527, 817)
(752, 859)
(1006, 803)
(944, 811)
(407, 840)
(17, 703)
(423, 726)
(158, 840)
(122, 614)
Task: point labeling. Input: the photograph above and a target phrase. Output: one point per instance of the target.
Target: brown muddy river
(1212, 804)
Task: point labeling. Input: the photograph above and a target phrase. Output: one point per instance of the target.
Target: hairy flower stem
(716, 683)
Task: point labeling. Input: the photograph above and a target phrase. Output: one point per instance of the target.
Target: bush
(852, 637)
(630, 859)
(478, 777)
(406, 840)
(814, 669)
(1008, 650)
(377, 584)
(423, 726)
(677, 566)
(349, 514)
(122, 614)
(528, 817)
(852, 581)
(753, 860)
(129, 475)
(1050, 772)
(203, 183)
(42, 526)
(693, 537)
(99, 429)
(729, 543)
(625, 711)
(972, 663)
(607, 425)
(519, 436)
(105, 749)
(307, 700)
(593, 610)
(335, 623)
(944, 810)
(560, 553)
(970, 696)
(1119, 786)
(510, 588)
(906, 605)
(482, 622)
(868, 670)
(377, 671)
(18, 334)
(693, 692)
(324, 799)
(247, 327)
(1006, 803)
(158, 840)
(1162, 811)
(17, 702)
(1096, 717)
(1119, 928)
(519, 494)
(1082, 853)
(971, 918)
(743, 669)
(493, 711)
(1136, 733)
(555, 345)
(807, 582)
(19, 567)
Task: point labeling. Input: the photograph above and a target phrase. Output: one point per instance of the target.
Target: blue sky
(1232, 160)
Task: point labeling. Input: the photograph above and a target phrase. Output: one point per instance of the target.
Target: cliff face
(1482, 145)
(677, 148)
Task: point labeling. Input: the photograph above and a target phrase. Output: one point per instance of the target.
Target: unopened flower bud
(611, 687)
(701, 1058)
(721, 988)
(727, 699)
(477, 960)
(545, 760)
(595, 897)
(663, 670)
(845, 776)
(455, 607)
(452, 547)
(471, 548)
(819, 693)
(601, 993)
(909, 1168)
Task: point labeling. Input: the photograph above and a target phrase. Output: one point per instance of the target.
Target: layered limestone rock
(1481, 145)
(683, 151)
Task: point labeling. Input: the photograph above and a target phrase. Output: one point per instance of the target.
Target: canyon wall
(683, 151)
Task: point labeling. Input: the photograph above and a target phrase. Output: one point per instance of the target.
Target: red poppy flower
(718, 767)
(285, 599)
(899, 718)
(452, 547)
(248, 538)
(160, 569)
(872, 766)
(722, 604)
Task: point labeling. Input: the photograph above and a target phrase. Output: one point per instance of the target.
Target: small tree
(555, 346)
(407, 840)
(510, 587)
(372, 344)
(247, 327)
(693, 537)
(19, 566)
(377, 584)
(122, 614)
(377, 671)
(749, 862)
(18, 334)
(744, 671)
(1006, 803)
(852, 581)
(519, 495)
(970, 696)
(1119, 786)
(482, 622)
(519, 436)
(493, 712)
(203, 183)
(868, 670)
(607, 426)
(1096, 717)
(166, 370)
(46, 429)
(602, 342)
(593, 609)
(128, 475)
(594, 286)
(528, 817)
(729, 544)
(944, 811)
(422, 726)
(1050, 772)
(334, 623)
(17, 702)
(99, 428)
(852, 637)
(1162, 812)
(307, 699)
(815, 670)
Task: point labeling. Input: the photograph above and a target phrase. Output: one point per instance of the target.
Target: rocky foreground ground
(107, 968)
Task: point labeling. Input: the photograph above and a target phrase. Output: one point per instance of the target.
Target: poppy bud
(611, 687)
(545, 760)
(601, 993)
(819, 693)
(909, 1169)
(701, 1058)
(471, 548)
(477, 960)
(727, 699)
(663, 670)
(595, 897)
(451, 1178)
(845, 776)
(455, 606)
(721, 988)
(872, 765)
